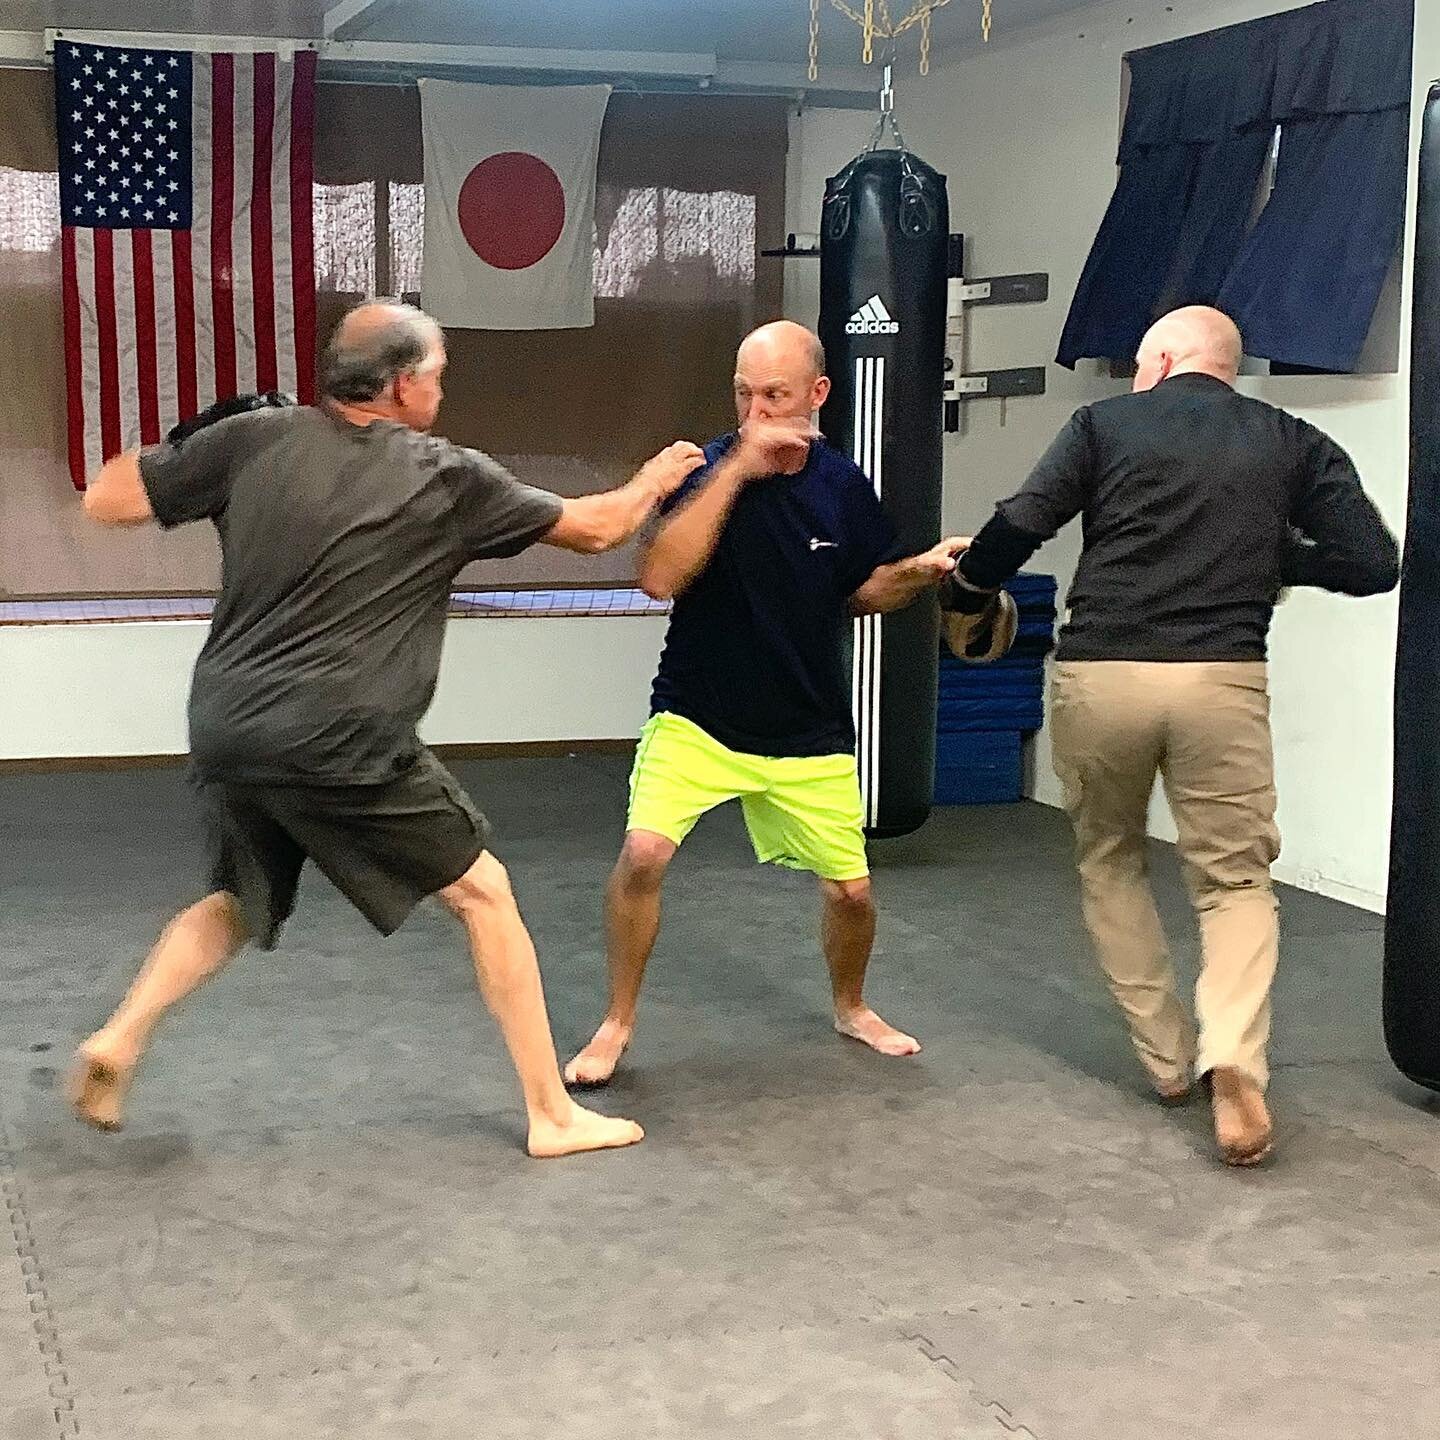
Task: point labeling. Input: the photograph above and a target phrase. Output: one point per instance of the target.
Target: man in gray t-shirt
(341, 530)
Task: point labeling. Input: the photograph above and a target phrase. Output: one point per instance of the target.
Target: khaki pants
(1205, 728)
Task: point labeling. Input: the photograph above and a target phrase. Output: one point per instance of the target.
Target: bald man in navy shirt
(768, 551)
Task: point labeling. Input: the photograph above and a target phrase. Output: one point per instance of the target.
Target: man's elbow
(583, 535)
(1379, 572)
(116, 494)
(596, 541)
(1378, 579)
(657, 587)
(100, 504)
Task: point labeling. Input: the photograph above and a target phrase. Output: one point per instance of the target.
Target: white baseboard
(1318, 884)
(1301, 877)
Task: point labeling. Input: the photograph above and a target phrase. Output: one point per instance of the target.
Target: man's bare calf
(510, 982)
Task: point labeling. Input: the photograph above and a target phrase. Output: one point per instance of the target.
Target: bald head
(783, 342)
(780, 372)
(1196, 340)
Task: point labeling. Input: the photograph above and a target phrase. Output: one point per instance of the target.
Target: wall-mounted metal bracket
(1003, 290)
(961, 295)
(996, 384)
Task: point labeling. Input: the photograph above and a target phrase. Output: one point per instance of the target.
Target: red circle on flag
(512, 209)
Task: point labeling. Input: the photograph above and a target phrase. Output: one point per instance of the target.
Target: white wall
(88, 690)
(1026, 131)
(822, 142)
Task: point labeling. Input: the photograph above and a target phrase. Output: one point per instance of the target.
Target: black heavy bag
(883, 238)
(1412, 925)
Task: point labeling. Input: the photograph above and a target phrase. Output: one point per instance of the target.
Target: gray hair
(373, 346)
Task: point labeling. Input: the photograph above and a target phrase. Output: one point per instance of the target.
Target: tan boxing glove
(978, 626)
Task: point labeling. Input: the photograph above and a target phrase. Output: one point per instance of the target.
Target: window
(652, 243)
(686, 189)
(345, 238)
(29, 211)
(1381, 354)
(1305, 279)
(659, 242)
(406, 232)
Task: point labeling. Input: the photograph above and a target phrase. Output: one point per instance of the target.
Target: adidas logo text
(872, 318)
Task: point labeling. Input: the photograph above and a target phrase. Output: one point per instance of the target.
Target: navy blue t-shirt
(755, 653)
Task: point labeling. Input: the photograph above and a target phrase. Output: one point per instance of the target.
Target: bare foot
(1175, 1091)
(869, 1029)
(584, 1130)
(99, 1082)
(1243, 1130)
(595, 1064)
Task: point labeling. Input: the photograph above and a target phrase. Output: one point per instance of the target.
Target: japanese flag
(510, 204)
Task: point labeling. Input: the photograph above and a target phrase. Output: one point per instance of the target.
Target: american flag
(187, 243)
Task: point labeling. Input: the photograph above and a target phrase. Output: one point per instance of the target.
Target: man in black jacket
(1199, 507)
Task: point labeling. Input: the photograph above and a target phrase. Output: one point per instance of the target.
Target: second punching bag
(883, 240)
(1412, 922)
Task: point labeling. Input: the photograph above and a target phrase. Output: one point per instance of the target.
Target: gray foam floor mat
(319, 1221)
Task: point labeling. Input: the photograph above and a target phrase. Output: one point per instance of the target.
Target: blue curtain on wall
(1303, 282)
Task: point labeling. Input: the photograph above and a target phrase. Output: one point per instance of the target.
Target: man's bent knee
(851, 896)
(1212, 892)
(1217, 877)
(218, 908)
(644, 858)
(483, 888)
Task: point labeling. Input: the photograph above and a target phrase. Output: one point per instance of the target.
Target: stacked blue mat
(985, 711)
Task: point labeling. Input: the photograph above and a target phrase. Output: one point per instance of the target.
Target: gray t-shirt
(339, 544)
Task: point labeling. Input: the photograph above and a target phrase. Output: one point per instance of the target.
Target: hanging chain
(888, 119)
(985, 20)
(887, 83)
(876, 21)
(920, 15)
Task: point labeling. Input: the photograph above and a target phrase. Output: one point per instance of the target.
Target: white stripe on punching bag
(877, 475)
(877, 441)
(860, 708)
(868, 453)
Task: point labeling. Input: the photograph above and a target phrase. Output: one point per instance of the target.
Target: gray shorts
(385, 847)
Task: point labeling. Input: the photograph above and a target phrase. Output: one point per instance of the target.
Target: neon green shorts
(801, 812)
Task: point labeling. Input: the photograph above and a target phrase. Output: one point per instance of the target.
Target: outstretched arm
(894, 586)
(1052, 496)
(594, 523)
